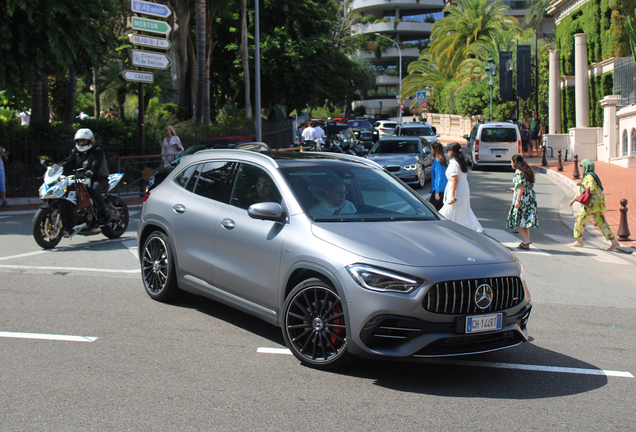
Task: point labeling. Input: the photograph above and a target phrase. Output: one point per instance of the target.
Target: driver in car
(335, 201)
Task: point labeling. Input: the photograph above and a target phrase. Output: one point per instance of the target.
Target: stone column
(610, 126)
(581, 82)
(554, 100)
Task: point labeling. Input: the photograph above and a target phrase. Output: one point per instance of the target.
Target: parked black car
(364, 132)
(236, 142)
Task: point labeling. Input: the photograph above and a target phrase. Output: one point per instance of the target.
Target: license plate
(498, 152)
(484, 323)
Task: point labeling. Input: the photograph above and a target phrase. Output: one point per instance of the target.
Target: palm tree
(536, 13)
(245, 57)
(631, 34)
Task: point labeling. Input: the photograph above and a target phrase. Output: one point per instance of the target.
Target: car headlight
(409, 167)
(377, 279)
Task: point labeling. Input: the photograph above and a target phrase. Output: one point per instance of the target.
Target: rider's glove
(80, 175)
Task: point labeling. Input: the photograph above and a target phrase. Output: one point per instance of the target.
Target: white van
(492, 144)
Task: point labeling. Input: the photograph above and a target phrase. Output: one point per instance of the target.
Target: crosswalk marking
(510, 241)
(599, 255)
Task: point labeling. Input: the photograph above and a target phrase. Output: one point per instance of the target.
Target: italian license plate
(498, 152)
(484, 323)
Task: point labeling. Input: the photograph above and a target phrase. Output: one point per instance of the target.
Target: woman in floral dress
(523, 211)
(596, 208)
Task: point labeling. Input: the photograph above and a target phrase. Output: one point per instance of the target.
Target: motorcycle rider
(90, 158)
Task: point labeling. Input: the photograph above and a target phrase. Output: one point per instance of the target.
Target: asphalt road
(82, 347)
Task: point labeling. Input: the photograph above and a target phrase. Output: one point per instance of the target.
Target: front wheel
(47, 227)
(421, 180)
(157, 267)
(119, 218)
(314, 326)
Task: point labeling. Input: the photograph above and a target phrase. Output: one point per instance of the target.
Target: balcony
(377, 7)
(391, 54)
(406, 29)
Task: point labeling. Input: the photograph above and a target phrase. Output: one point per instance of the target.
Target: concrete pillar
(581, 82)
(610, 126)
(554, 100)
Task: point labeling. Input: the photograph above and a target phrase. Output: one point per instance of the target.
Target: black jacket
(93, 160)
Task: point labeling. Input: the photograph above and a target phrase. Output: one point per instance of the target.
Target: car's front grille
(458, 297)
(471, 344)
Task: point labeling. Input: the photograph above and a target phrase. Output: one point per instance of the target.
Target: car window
(360, 124)
(498, 134)
(377, 124)
(416, 131)
(360, 194)
(188, 177)
(473, 133)
(213, 180)
(253, 185)
(395, 146)
(389, 125)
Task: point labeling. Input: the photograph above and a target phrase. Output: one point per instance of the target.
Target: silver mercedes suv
(341, 255)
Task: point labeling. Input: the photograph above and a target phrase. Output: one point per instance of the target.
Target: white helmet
(84, 134)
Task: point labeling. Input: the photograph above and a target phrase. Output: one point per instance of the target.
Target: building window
(625, 144)
(633, 142)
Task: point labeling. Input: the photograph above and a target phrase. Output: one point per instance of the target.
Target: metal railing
(625, 80)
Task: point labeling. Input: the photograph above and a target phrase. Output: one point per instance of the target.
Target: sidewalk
(618, 183)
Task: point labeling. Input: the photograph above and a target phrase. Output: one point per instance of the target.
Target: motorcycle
(60, 199)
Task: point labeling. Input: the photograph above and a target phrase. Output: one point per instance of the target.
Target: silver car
(334, 250)
(408, 158)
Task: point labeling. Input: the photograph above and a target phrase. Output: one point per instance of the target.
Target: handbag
(584, 198)
(83, 198)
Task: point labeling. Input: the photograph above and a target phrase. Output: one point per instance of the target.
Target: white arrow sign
(136, 76)
(149, 8)
(149, 41)
(149, 59)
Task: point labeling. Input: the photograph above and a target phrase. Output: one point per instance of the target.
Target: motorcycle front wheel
(47, 228)
(119, 218)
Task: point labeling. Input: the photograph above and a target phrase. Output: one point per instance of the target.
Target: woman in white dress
(170, 146)
(457, 193)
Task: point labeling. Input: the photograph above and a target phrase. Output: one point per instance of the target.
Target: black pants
(438, 203)
(96, 190)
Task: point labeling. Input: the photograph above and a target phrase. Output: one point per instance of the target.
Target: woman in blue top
(438, 176)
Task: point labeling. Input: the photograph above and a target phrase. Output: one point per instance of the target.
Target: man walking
(309, 134)
(536, 131)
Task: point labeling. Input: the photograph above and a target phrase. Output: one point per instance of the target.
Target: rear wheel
(119, 218)
(314, 326)
(157, 267)
(47, 228)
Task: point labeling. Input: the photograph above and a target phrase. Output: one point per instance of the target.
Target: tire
(314, 325)
(421, 180)
(119, 214)
(157, 268)
(47, 228)
(474, 167)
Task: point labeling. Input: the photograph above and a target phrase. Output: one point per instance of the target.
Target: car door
(427, 158)
(193, 216)
(248, 251)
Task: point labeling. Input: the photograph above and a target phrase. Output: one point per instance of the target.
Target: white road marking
(538, 368)
(511, 242)
(597, 254)
(131, 245)
(87, 269)
(67, 338)
(24, 255)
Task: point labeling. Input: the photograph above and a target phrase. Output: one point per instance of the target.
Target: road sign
(149, 25)
(149, 41)
(149, 59)
(401, 107)
(423, 105)
(137, 76)
(149, 8)
(421, 96)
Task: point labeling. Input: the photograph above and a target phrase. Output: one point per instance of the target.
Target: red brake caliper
(340, 321)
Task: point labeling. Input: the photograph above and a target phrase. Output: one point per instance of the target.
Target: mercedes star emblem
(483, 296)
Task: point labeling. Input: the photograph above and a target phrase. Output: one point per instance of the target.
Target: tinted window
(396, 146)
(212, 181)
(491, 135)
(188, 177)
(360, 124)
(253, 185)
(416, 131)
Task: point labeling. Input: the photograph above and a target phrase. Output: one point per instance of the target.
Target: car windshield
(395, 146)
(354, 194)
(416, 131)
(388, 125)
(360, 124)
(492, 135)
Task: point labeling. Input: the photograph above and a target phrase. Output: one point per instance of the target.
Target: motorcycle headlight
(410, 167)
(377, 279)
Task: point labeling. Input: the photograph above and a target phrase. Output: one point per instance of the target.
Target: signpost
(137, 76)
(421, 96)
(149, 41)
(150, 59)
(149, 25)
(149, 8)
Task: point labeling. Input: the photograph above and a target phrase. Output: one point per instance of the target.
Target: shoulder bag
(83, 198)
(584, 198)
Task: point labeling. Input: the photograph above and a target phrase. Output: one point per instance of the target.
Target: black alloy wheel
(47, 228)
(157, 267)
(119, 218)
(314, 326)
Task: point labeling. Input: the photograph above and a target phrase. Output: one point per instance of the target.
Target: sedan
(338, 253)
(408, 158)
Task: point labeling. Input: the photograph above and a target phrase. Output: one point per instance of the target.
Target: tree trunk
(36, 98)
(96, 94)
(71, 91)
(201, 27)
(184, 59)
(208, 58)
(246, 59)
(46, 112)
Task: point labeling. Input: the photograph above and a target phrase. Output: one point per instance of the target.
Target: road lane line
(24, 255)
(538, 368)
(23, 267)
(66, 338)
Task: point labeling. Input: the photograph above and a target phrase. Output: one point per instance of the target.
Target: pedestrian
(426, 123)
(299, 133)
(3, 188)
(309, 134)
(438, 176)
(25, 118)
(525, 136)
(170, 146)
(595, 209)
(536, 132)
(457, 193)
(111, 114)
(523, 210)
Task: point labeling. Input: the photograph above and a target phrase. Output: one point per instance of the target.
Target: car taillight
(476, 149)
(145, 198)
(383, 129)
(519, 146)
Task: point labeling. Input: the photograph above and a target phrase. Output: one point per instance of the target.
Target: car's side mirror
(437, 135)
(270, 211)
(427, 150)
(466, 137)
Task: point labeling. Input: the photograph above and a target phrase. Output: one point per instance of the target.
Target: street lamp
(400, 60)
(490, 71)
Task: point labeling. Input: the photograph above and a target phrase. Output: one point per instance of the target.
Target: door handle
(179, 208)
(228, 223)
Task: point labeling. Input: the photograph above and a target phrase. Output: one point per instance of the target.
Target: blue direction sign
(421, 96)
(149, 8)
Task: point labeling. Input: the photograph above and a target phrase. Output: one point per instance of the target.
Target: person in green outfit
(536, 131)
(524, 209)
(595, 209)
